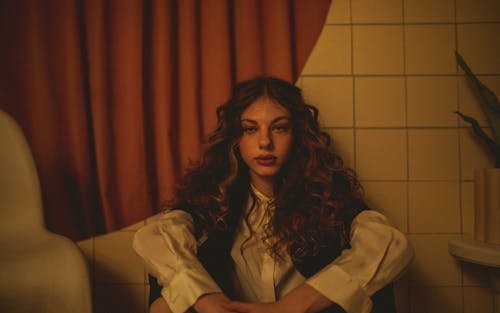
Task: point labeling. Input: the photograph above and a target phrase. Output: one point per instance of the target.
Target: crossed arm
(379, 253)
(303, 299)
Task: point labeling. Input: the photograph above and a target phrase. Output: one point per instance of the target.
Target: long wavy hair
(315, 197)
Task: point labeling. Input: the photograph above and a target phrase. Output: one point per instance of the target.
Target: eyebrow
(279, 118)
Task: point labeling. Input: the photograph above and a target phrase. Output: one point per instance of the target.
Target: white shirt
(257, 276)
(378, 254)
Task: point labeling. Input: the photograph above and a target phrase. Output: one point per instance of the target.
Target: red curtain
(114, 96)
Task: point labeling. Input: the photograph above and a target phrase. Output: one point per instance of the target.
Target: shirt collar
(260, 195)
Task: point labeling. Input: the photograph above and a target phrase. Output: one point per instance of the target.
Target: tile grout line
(407, 184)
(354, 129)
(459, 157)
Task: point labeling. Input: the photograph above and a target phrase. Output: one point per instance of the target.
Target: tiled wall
(384, 77)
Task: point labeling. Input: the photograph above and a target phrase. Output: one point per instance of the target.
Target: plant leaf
(488, 99)
(488, 96)
(478, 131)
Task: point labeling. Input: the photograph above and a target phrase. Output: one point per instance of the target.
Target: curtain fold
(115, 96)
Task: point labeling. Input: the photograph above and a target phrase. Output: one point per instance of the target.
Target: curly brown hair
(316, 196)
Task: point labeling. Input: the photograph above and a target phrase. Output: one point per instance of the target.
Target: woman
(270, 220)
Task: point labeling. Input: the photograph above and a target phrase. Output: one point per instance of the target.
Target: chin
(267, 173)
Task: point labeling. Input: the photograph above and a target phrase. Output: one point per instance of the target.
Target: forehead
(264, 108)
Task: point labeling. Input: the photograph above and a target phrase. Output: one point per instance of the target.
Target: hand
(244, 307)
(304, 299)
(212, 303)
(159, 306)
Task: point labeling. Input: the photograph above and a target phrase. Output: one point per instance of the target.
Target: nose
(265, 140)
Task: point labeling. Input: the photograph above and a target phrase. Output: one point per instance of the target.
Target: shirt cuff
(342, 289)
(187, 286)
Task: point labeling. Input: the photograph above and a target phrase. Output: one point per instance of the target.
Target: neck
(266, 187)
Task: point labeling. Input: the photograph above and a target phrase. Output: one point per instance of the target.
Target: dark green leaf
(478, 131)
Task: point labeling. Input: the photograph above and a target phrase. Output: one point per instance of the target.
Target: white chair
(40, 271)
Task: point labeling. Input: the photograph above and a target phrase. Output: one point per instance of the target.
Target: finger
(237, 306)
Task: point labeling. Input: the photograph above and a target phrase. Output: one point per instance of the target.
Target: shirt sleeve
(378, 254)
(168, 248)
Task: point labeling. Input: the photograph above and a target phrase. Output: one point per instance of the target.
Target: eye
(281, 128)
(249, 129)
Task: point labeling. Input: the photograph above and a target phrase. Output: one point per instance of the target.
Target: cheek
(244, 149)
(288, 145)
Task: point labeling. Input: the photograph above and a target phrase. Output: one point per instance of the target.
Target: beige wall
(384, 77)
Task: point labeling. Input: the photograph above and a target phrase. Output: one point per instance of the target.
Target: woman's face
(266, 141)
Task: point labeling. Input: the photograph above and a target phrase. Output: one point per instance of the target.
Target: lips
(266, 160)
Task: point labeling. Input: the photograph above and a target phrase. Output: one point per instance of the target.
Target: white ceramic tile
(469, 100)
(432, 101)
(467, 203)
(377, 11)
(434, 207)
(433, 154)
(378, 49)
(401, 294)
(333, 96)
(429, 11)
(380, 101)
(433, 266)
(473, 153)
(475, 275)
(477, 299)
(478, 11)
(429, 49)
(480, 47)
(390, 198)
(381, 154)
(436, 300)
(332, 52)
